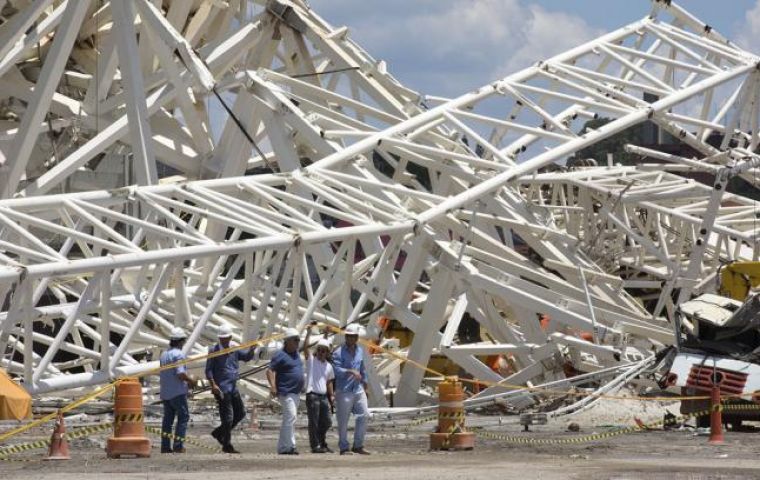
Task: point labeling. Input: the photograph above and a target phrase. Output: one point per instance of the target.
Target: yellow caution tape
(604, 435)
(419, 421)
(128, 418)
(86, 431)
(102, 390)
(582, 439)
(78, 433)
(186, 439)
(454, 415)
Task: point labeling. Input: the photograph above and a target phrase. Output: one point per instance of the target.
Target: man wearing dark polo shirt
(285, 375)
(222, 374)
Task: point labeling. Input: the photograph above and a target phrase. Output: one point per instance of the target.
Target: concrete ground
(400, 453)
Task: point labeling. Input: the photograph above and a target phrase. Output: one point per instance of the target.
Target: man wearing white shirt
(319, 393)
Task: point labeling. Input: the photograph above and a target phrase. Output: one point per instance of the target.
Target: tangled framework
(329, 191)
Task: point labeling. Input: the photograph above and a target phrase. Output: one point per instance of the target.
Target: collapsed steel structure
(334, 193)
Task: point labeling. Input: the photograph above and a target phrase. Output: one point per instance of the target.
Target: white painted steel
(334, 193)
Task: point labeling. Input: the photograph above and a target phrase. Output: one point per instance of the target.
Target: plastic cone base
(118, 447)
(457, 441)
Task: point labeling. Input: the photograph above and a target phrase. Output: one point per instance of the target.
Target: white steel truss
(362, 197)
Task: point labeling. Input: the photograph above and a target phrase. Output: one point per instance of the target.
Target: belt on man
(317, 394)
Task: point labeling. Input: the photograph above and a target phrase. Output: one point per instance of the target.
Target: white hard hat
(323, 342)
(177, 334)
(353, 329)
(291, 332)
(224, 331)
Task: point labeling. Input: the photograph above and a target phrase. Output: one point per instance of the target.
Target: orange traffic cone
(128, 429)
(716, 418)
(59, 446)
(451, 433)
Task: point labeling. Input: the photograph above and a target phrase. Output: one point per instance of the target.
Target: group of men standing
(331, 383)
(348, 394)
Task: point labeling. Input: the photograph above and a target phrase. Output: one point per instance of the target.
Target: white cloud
(448, 47)
(748, 33)
(548, 33)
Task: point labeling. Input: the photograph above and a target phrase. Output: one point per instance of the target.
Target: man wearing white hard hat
(285, 375)
(174, 388)
(222, 374)
(350, 388)
(319, 392)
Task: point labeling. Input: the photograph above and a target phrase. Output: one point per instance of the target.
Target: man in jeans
(222, 374)
(174, 388)
(285, 375)
(350, 396)
(319, 393)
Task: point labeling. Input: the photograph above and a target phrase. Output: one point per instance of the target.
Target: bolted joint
(416, 227)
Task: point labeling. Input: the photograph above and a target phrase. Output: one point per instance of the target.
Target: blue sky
(448, 47)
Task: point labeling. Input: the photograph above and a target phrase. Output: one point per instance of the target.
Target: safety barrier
(456, 416)
(451, 433)
(5, 452)
(128, 431)
(187, 439)
(106, 388)
(605, 435)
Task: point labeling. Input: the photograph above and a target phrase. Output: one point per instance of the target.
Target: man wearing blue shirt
(285, 375)
(350, 396)
(174, 388)
(222, 374)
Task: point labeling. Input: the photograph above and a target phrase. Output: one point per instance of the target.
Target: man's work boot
(229, 449)
(217, 435)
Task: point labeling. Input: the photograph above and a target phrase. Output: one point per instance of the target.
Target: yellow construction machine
(738, 278)
(722, 346)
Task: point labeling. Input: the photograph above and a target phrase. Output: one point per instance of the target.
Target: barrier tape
(102, 390)
(449, 434)
(186, 439)
(454, 415)
(428, 419)
(457, 427)
(419, 421)
(585, 438)
(78, 433)
(604, 435)
(86, 431)
(128, 418)
(54, 415)
(736, 407)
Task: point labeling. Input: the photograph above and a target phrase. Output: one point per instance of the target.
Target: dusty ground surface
(402, 453)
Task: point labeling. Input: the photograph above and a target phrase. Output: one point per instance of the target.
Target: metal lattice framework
(361, 195)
